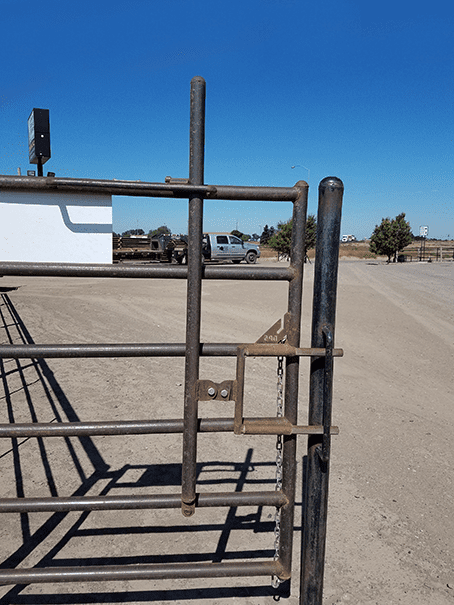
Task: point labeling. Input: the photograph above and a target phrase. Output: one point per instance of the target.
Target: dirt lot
(390, 528)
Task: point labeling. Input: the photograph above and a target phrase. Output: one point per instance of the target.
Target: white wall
(55, 227)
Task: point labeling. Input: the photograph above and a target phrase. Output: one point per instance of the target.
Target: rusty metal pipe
(118, 427)
(144, 271)
(144, 189)
(194, 298)
(292, 374)
(153, 501)
(153, 350)
(266, 194)
(250, 426)
(140, 572)
(323, 318)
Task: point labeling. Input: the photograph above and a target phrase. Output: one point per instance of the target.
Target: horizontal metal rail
(141, 572)
(252, 426)
(155, 350)
(145, 271)
(142, 188)
(151, 501)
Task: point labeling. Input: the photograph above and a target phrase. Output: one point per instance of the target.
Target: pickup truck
(223, 246)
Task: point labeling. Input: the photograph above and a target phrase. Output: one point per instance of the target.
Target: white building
(57, 227)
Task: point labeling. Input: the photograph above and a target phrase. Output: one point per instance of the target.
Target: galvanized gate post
(323, 321)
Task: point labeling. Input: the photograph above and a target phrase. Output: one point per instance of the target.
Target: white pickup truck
(223, 246)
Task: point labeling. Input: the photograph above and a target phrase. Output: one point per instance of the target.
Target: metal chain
(275, 581)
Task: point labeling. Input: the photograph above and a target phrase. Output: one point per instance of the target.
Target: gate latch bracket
(207, 390)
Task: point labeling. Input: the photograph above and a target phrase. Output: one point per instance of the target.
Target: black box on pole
(38, 136)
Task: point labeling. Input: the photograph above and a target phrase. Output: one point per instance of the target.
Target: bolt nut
(211, 392)
(224, 393)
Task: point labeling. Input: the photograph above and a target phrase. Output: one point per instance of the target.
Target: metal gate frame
(281, 340)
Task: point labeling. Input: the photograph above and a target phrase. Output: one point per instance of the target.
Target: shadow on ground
(29, 373)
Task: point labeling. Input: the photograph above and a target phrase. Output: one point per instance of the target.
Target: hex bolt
(211, 392)
(224, 393)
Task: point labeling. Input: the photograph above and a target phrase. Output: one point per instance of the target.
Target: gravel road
(390, 530)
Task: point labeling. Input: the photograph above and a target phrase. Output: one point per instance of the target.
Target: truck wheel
(251, 258)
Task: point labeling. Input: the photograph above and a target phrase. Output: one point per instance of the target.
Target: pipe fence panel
(281, 341)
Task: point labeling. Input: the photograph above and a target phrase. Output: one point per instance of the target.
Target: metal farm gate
(281, 341)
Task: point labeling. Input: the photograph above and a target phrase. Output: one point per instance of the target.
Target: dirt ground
(390, 525)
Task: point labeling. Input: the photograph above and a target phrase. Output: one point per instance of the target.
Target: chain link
(275, 581)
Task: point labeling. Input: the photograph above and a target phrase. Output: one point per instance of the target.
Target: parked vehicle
(223, 246)
(218, 247)
(162, 248)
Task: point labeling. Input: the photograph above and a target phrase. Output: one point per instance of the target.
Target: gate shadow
(25, 376)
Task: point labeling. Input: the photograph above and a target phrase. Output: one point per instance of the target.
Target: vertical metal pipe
(323, 321)
(194, 295)
(292, 374)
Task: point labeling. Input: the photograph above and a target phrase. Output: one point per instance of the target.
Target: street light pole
(308, 171)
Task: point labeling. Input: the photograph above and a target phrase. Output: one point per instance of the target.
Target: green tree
(281, 241)
(403, 234)
(133, 232)
(311, 233)
(267, 233)
(243, 236)
(162, 230)
(391, 236)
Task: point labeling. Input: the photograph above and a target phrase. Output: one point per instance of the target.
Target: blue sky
(362, 91)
